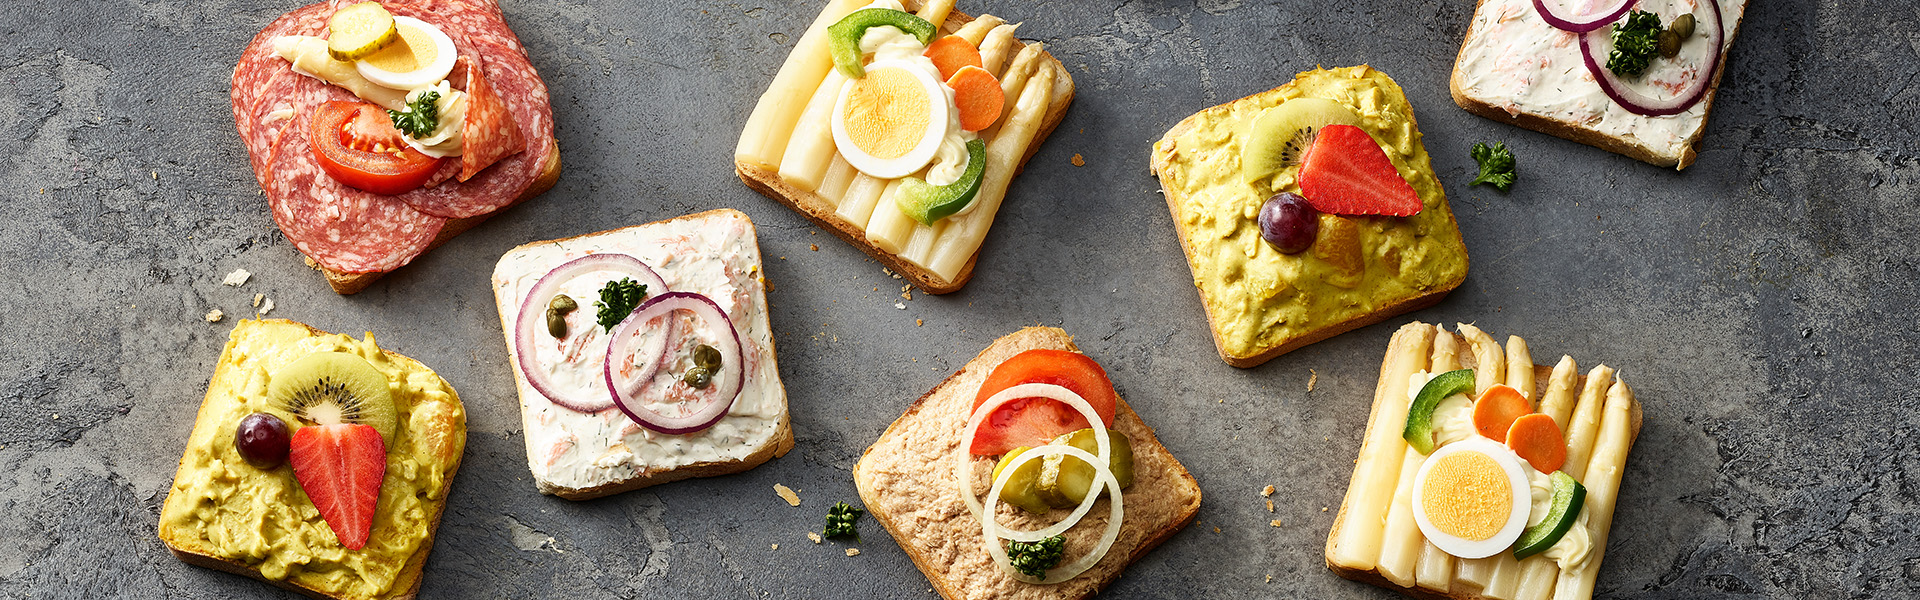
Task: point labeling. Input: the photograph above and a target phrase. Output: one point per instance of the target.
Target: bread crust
(822, 212)
(352, 283)
(1161, 161)
(872, 493)
(778, 446)
(1571, 131)
(406, 582)
(1541, 376)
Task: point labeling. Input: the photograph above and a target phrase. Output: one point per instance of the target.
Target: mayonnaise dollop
(446, 139)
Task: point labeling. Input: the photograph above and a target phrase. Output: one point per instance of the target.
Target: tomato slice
(1036, 421)
(356, 143)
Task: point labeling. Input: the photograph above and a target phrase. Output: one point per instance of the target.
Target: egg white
(424, 76)
(923, 150)
(1516, 519)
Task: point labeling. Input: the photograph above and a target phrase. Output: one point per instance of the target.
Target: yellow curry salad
(224, 508)
(1258, 298)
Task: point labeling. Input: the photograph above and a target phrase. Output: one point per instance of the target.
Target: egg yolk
(414, 50)
(887, 113)
(1467, 495)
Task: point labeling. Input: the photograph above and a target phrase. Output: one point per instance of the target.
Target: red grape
(263, 440)
(1289, 223)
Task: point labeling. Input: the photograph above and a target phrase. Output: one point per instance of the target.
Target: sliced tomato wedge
(356, 143)
(1036, 421)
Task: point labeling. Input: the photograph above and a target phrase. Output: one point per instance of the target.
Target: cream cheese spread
(714, 254)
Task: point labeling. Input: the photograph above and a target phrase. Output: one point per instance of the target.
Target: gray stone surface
(1761, 302)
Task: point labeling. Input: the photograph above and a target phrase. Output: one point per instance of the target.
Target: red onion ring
(727, 389)
(1583, 23)
(526, 326)
(1640, 104)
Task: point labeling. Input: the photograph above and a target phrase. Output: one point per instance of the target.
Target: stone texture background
(1761, 302)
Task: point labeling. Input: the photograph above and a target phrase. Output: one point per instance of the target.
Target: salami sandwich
(379, 130)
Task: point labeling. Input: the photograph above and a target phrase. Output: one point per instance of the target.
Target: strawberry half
(1345, 172)
(340, 467)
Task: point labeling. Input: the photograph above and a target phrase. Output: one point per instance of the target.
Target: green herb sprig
(421, 117)
(1033, 559)
(840, 521)
(617, 300)
(1496, 165)
(1636, 40)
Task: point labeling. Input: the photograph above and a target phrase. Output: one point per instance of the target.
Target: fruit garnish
(1289, 223)
(1280, 135)
(340, 468)
(1345, 172)
(1339, 246)
(360, 30)
(843, 38)
(262, 440)
(1036, 421)
(926, 203)
(332, 388)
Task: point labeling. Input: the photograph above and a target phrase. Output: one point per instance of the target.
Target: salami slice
(262, 85)
(489, 130)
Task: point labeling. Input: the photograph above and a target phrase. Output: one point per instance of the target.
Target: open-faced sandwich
(643, 354)
(1482, 474)
(1636, 77)
(1024, 475)
(379, 130)
(900, 131)
(1307, 211)
(318, 463)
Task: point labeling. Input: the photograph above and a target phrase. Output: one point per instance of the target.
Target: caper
(1682, 26)
(698, 377)
(707, 356)
(563, 303)
(1669, 43)
(556, 324)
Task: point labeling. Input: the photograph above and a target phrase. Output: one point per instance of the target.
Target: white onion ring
(1590, 21)
(533, 307)
(731, 358)
(1115, 514)
(1640, 104)
(964, 473)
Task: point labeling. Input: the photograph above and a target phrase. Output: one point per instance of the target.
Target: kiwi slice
(1280, 135)
(331, 388)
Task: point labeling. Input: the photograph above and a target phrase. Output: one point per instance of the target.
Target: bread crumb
(1313, 377)
(907, 295)
(1078, 161)
(154, 174)
(1275, 522)
(813, 536)
(1323, 509)
(776, 546)
(813, 247)
(1269, 506)
(853, 552)
(1269, 578)
(214, 316)
(900, 305)
(1216, 530)
(786, 493)
(237, 278)
(919, 322)
(266, 307)
(257, 298)
(1268, 491)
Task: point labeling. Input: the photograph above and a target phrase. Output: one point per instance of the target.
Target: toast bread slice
(1456, 591)
(778, 444)
(1162, 162)
(822, 212)
(1679, 157)
(352, 283)
(406, 586)
(906, 481)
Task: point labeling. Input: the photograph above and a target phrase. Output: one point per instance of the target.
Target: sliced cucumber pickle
(1569, 497)
(1019, 490)
(843, 38)
(926, 203)
(359, 30)
(1065, 481)
(1419, 430)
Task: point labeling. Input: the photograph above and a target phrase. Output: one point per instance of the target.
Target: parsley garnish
(1034, 558)
(1496, 165)
(421, 117)
(840, 520)
(617, 300)
(1635, 42)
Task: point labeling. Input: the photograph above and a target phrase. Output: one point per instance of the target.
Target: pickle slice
(1019, 490)
(360, 30)
(1064, 481)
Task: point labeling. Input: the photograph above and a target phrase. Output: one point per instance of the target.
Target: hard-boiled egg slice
(889, 123)
(1471, 499)
(423, 56)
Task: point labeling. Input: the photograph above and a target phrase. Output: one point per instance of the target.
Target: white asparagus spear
(764, 138)
(1402, 546)
(1435, 568)
(1489, 366)
(1558, 401)
(861, 196)
(920, 242)
(1506, 569)
(1356, 545)
(1446, 351)
(1537, 576)
(1603, 489)
(997, 46)
(840, 174)
(935, 12)
(1520, 369)
(811, 149)
(1012, 80)
(975, 31)
(1585, 423)
(963, 236)
(889, 228)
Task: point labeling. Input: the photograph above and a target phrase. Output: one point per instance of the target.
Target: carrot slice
(1496, 410)
(977, 93)
(1538, 439)
(952, 52)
